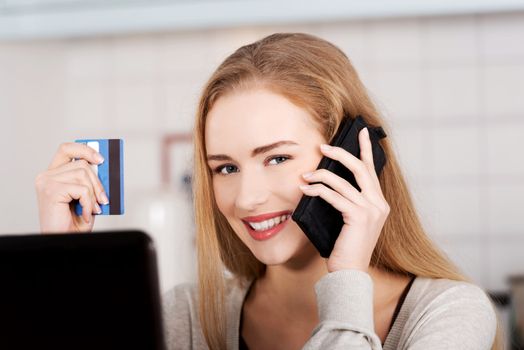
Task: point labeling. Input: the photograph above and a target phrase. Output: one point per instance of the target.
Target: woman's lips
(266, 234)
(259, 218)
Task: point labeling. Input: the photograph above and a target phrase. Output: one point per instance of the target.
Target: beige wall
(450, 87)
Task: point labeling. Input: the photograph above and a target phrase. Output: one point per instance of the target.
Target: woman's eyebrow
(255, 152)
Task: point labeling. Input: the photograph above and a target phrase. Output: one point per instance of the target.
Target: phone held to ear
(319, 220)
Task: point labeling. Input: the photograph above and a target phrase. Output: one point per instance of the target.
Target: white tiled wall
(455, 152)
(457, 209)
(500, 38)
(453, 92)
(504, 83)
(502, 148)
(451, 41)
(451, 88)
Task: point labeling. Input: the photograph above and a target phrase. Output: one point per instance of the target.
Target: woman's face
(259, 144)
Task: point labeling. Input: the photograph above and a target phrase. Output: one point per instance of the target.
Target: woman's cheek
(285, 184)
(220, 192)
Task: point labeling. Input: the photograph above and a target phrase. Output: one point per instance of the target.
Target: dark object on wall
(517, 312)
(501, 299)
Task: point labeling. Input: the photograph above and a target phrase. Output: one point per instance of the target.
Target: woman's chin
(272, 258)
(280, 252)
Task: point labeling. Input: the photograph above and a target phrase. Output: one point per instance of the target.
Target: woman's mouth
(262, 230)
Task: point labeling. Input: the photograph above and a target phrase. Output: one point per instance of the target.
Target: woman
(262, 119)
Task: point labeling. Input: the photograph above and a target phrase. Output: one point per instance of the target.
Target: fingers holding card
(110, 173)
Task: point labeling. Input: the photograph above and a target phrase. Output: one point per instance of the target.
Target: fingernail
(104, 198)
(304, 187)
(325, 147)
(99, 159)
(365, 131)
(307, 175)
(97, 209)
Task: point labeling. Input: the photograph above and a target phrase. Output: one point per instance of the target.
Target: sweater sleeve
(456, 316)
(345, 304)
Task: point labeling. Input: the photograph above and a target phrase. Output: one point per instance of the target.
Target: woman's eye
(229, 168)
(278, 159)
(225, 169)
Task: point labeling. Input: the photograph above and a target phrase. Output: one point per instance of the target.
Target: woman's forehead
(256, 114)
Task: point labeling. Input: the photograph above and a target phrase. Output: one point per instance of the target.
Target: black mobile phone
(319, 220)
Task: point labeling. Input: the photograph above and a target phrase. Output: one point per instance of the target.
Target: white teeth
(267, 224)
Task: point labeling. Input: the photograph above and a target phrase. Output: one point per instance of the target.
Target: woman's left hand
(364, 212)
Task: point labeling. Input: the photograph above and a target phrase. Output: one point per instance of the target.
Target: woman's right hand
(65, 181)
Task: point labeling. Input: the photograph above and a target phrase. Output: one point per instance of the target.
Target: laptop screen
(79, 291)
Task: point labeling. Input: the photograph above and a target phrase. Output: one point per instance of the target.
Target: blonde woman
(261, 128)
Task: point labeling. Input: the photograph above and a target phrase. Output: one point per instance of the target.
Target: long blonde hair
(315, 75)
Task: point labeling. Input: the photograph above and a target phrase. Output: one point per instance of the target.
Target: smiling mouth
(263, 230)
(268, 224)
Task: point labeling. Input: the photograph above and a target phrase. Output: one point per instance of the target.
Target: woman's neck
(280, 309)
(291, 285)
(284, 298)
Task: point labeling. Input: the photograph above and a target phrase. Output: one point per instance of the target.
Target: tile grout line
(483, 163)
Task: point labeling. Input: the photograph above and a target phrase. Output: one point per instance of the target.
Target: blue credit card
(110, 173)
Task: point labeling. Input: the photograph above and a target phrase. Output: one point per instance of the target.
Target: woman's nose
(252, 192)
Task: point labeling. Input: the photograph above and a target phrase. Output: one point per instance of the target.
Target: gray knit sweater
(436, 314)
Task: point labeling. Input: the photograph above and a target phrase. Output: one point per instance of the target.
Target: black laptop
(79, 291)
